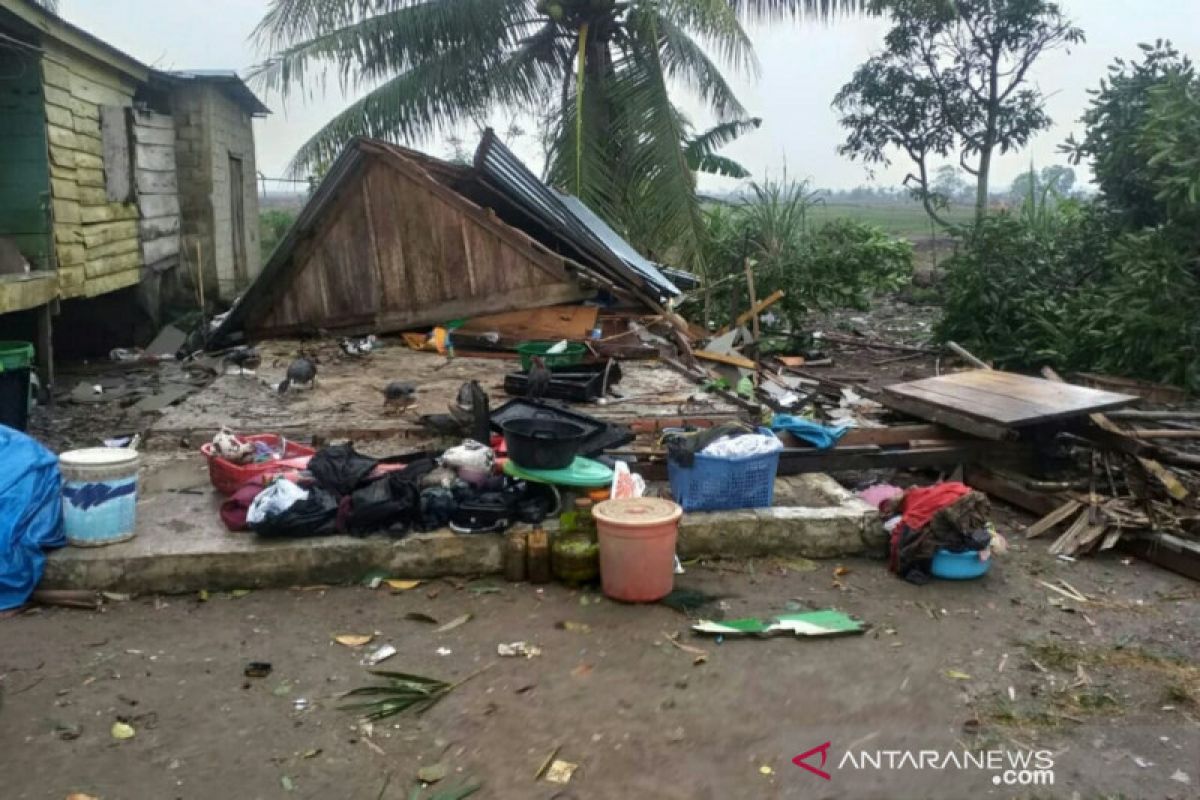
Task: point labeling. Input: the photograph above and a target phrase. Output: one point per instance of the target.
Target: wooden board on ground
(573, 322)
(985, 402)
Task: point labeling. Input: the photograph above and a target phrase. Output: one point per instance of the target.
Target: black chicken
(244, 358)
(302, 370)
(399, 396)
(537, 381)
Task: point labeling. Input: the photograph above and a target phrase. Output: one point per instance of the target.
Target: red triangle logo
(823, 749)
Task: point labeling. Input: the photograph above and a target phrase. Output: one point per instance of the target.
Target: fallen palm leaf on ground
(401, 692)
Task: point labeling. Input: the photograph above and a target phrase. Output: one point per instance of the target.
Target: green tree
(952, 81)
(606, 66)
(1143, 136)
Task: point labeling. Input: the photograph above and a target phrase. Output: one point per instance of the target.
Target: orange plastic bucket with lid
(637, 547)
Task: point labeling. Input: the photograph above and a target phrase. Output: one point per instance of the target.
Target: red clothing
(920, 504)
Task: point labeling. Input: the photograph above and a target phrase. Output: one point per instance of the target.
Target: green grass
(899, 219)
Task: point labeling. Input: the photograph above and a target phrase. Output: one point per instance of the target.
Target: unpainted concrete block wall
(210, 128)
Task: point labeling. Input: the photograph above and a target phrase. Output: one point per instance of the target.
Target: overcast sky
(803, 66)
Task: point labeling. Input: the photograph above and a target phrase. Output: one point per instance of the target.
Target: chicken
(357, 347)
(399, 396)
(301, 370)
(244, 358)
(537, 381)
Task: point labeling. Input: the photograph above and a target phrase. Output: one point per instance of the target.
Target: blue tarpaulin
(30, 514)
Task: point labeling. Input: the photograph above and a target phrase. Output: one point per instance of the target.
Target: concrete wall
(210, 129)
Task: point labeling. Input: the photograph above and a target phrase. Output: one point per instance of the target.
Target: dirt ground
(1110, 687)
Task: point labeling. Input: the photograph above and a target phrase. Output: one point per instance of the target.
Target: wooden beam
(1011, 491)
(722, 358)
(1169, 552)
(754, 310)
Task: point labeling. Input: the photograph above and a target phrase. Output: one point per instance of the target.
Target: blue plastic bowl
(958, 566)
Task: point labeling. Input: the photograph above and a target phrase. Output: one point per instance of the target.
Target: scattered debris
(454, 623)
(828, 622)
(560, 771)
(354, 639)
(403, 691)
(379, 655)
(518, 649)
(122, 731)
(433, 773)
(257, 669)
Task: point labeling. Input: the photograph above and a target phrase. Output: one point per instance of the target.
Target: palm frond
(776, 10)
(716, 24)
(720, 135)
(369, 49)
(718, 165)
(682, 59)
(435, 95)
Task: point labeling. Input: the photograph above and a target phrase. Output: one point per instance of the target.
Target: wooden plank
(943, 416)
(111, 283)
(794, 461)
(757, 308)
(1170, 552)
(1054, 518)
(572, 322)
(1006, 399)
(1010, 491)
(895, 435)
(118, 174)
(108, 213)
(722, 358)
(1147, 390)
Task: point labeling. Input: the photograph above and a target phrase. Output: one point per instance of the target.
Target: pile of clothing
(344, 491)
(923, 520)
(729, 440)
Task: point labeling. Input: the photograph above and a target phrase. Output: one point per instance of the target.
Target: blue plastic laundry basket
(714, 483)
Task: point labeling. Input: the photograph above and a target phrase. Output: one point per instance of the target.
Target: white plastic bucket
(99, 495)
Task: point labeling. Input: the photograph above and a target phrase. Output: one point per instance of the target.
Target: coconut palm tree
(606, 66)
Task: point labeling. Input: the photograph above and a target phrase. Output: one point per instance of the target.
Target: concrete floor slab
(182, 546)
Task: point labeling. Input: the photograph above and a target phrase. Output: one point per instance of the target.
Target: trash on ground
(122, 731)
(560, 771)
(353, 639)
(454, 623)
(378, 655)
(828, 622)
(257, 669)
(518, 649)
(432, 773)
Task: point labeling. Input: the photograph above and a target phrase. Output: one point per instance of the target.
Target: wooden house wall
(96, 241)
(397, 250)
(157, 187)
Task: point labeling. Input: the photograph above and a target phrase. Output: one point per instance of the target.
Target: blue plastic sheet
(819, 436)
(30, 514)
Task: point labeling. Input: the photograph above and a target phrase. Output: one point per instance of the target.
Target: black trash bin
(15, 360)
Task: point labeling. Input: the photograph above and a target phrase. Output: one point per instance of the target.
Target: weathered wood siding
(156, 187)
(96, 241)
(397, 250)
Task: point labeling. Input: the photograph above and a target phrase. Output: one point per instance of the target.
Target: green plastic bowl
(572, 355)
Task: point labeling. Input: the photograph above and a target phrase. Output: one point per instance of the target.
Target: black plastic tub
(543, 443)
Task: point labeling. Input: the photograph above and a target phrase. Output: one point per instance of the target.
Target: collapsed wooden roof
(394, 239)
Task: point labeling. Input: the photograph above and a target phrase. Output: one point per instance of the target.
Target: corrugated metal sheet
(568, 218)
